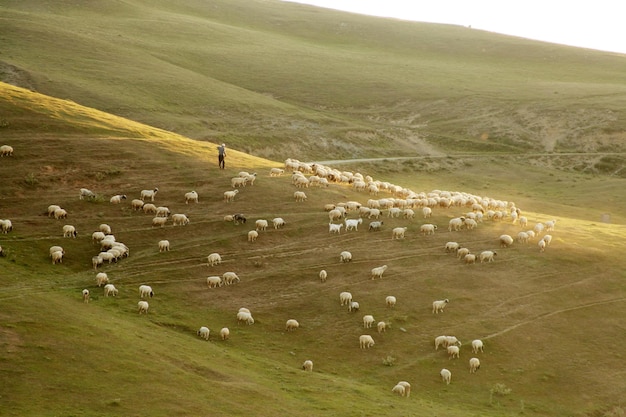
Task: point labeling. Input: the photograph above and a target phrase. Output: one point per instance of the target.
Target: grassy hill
(549, 320)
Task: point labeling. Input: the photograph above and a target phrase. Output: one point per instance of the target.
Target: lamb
(345, 298)
(229, 196)
(145, 291)
(60, 214)
(291, 325)
(474, 365)
(353, 224)
(245, 317)
(261, 224)
(335, 228)
(390, 301)
(379, 271)
(276, 172)
(323, 275)
(452, 246)
(230, 278)
(57, 257)
(180, 219)
(381, 327)
(453, 351)
(149, 208)
(368, 321)
(224, 333)
(162, 211)
(398, 233)
(477, 345)
(214, 259)
(6, 150)
(204, 332)
(353, 307)
(278, 222)
(299, 196)
(117, 199)
(164, 245)
(439, 305)
(102, 278)
(366, 341)
(375, 225)
(86, 194)
(6, 226)
(487, 256)
(159, 221)
(85, 295)
(136, 204)
(428, 229)
(505, 241)
(143, 307)
(69, 231)
(191, 196)
(345, 257)
(149, 194)
(307, 365)
(214, 281)
(446, 376)
(252, 235)
(110, 289)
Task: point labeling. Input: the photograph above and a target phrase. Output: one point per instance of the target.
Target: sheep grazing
(379, 271)
(191, 197)
(96, 261)
(345, 298)
(6, 226)
(470, 258)
(505, 241)
(145, 194)
(299, 196)
(245, 317)
(477, 345)
(547, 239)
(6, 150)
(142, 307)
(180, 220)
(549, 225)
(452, 340)
(427, 212)
(345, 257)
(278, 222)
(159, 221)
(399, 389)
(456, 224)
(117, 199)
(214, 281)
(453, 352)
(461, 252)
(204, 332)
(323, 275)
(85, 295)
(230, 278)
(69, 231)
(368, 321)
(276, 172)
(237, 182)
(441, 341)
(224, 333)
(110, 289)
(335, 228)
(398, 233)
(428, 229)
(145, 291)
(162, 211)
(86, 194)
(102, 279)
(214, 259)
(291, 325)
(105, 228)
(407, 388)
(542, 245)
(390, 301)
(439, 305)
(446, 376)
(261, 225)
(239, 218)
(487, 256)
(307, 365)
(523, 237)
(252, 235)
(149, 208)
(452, 246)
(375, 225)
(474, 365)
(51, 209)
(353, 306)
(60, 214)
(366, 341)
(137, 204)
(335, 214)
(57, 257)
(164, 245)
(381, 327)
(353, 224)
(229, 196)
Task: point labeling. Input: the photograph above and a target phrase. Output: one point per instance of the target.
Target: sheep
(60, 214)
(237, 182)
(428, 229)
(452, 340)
(407, 387)
(224, 333)
(230, 278)
(145, 291)
(366, 341)
(102, 278)
(105, 228)
(335, 228)
(159, 221)
(461, 252)
(214, 281)
(353, 307)
(110, 289)
(164, 245)
(191, 196)
(143, 306)
(51, 209)
(379, 271)
(542, 245)
(243, 309)
(549, 225)
(427, 212)
(505, 241)
(539, 228)
(6, 150)
(162, 211)
(381, 327)
(214, 259)
(453, 351)
(57, 257)
(547, 239)
(307, 365)
(250, 178)
(252, 235)
(345, 298)
(439, 305)
(180, 219)
(6, 226)
(245, 317)
(399, 389)
(291, 325)
(204, 332)
(470, 258)
(69, 231)
(278, 222)
(523, 237)
(276, 172)
(261, 225)
(117, 199)
(299, 196)
(345, 256)
(335, 214)
(474, 365)
(323, 275)
(353, 224)
(229, 196)
(408, 213)
(477, 345)
(441, 341)
(375, 225)
(149, 194)
(137, 204)
(452, 246)
(470, 224)
(368, 320)
(456, 224)
(149, 208)
(55, 249)
(390, 301)
(239, 218)
(86, 194)
(398, 233)
(487, 256)
(446, 376)
(374, 212)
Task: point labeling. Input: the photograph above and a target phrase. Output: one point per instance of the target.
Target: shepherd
(221, 155)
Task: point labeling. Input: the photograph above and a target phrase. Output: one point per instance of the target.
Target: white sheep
(345, 256)
(453, 351)
(428, 229)
(441, 341)
(542, 245)
(366, 341)
(335, 228)
(353, 224)
(427, 212)
(487, 256)
(238, 182)
(276, 172)
(299, 196)
(474, 365)
(446, 376)
(547, 239)
(137, 204)
(261, 225)
(374, 213)
(214, 259)
(550, 225)
(390, 301)
(399, 389)
(470, 258)
(439, 305)
(456, 224)
(407, 387)
(105, 228)
(398, 233)
(224, 333)
(164, 245)
(452, 246)
(291, 325)
(230, 278)
(229, 196)
(159, 221)
(162, 211)
(51, 209)
(6, 150)
(477, 345)
(378, 271)
(143, 306)
(375, 225)
(381, 327)
(523, 237)
(245, 317)
(408, 213)
(278, 222)
(110, 289)
(149, 194)
(307, 365)
(57, 257)
(461, 252)
(505, 241)
(214, 281)
(323, 275)
(96, 261)
(368, 321)
(145, 291)
(539, 228)
(69, 231)
(335, 214)
(117, 199)
(55, 249)
(149, 208)
(252, 235)
(85, 295)
(204, 332)
(523, 221)
(191, 196)
(102, 278)
(180, 219)
(86, 194)
(353, 307)
(452, 340)
(345, 298)
(60, 214)
(470, 224)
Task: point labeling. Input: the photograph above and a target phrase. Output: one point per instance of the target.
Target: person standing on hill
(221, 155)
